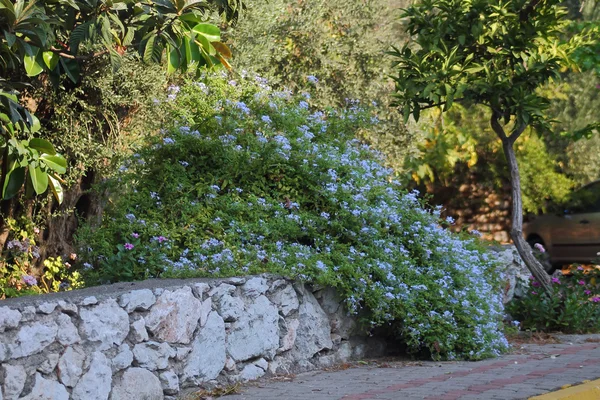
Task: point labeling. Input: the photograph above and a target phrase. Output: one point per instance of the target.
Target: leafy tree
(494, 53)
(43, 42)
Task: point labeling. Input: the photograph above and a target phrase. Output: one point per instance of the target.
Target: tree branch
(440, 104)
(498, 129)
(72, 57)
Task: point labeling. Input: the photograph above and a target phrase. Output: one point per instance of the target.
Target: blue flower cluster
(265, 183)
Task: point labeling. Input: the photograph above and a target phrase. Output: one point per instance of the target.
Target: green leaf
(13, 181)
(209, 31)
(32, 66)
(35, 124)
(71, 68)
(57, 189)
(173, 61)
(50, 59)
(42, 145)
(39, 179)
(56, 163)
(149, 49)
(416, 112)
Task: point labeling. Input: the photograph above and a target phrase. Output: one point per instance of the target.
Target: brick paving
(536, 369)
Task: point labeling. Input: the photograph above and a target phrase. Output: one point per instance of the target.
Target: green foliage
(18, 270)
(342, 44)
(246, 179)
(573, 308)
(57, 38)
(462, 139)
(484, 52)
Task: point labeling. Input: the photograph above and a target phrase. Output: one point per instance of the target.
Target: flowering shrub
(251, 180)
(19, 274)
(572, 308)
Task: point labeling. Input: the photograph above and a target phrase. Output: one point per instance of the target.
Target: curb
(589, 390)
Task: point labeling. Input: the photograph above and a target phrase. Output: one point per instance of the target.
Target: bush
(572, 308)
(250, 180)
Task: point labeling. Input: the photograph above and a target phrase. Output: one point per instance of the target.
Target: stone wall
(160, 339)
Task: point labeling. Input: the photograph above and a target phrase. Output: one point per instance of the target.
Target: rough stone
(14, 381)
(49, 364)
(333, 306)
(254, 287)
(182, 352)
(229, 364)
(169, 382)
(89, 301)
(96, 382)
(47, 308)
(237, 281)
(314, 332)
(67, 308)
(67, 331)
(513, 271)
(286, 300)
(46, 389)
(205, 309)
(138, 384)
(262, 364)
(70, 366)
(3, 352)
(9, 318)
(228, 306)
(138, 331)
(153, 355)
(137, 300)
(288, 331)
(256, 333)
(175, 316)
(106, 323)
(207, 358)
(27, 314)
(199, 289)
(123, 359)
(33, 338)
(251, 372)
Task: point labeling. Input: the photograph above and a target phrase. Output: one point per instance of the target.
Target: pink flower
(535, 284)
(556, 280)
(532, 292)
(539, 247)
(595, 299)
(128, 246)
(161, 239)
(588, 292)
(582, 282)
(580, 268)
(135, 235)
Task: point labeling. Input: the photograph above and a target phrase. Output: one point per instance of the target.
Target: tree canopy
(46, 41)
(495, 53)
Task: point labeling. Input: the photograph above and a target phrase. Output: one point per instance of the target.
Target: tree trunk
(516, 231)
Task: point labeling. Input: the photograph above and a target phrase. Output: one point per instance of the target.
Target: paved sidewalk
(534, 370)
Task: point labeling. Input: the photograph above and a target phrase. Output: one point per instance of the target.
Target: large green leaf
(211, 32)
(39, 179)
(50, 59)
(13, 182)
(71, 68)
(57, 189)
(56, 163)
(32, 65)
(42, 145)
